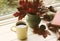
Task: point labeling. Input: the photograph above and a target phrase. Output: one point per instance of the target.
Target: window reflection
(7, 6)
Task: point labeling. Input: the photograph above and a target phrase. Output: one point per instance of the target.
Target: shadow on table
(18, 40)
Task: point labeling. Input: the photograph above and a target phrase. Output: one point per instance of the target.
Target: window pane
(8, 6)
(47, 2)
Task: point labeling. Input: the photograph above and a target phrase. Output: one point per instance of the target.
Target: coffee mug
(21, 29)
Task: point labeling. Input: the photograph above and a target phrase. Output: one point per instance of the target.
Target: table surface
(7, 35)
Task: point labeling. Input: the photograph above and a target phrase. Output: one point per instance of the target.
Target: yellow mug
(21, 29)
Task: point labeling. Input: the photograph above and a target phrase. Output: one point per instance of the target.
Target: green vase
(33, 20)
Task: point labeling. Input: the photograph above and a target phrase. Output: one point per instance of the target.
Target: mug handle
(13, 28)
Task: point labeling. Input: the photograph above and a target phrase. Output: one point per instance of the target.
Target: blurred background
(8, 7)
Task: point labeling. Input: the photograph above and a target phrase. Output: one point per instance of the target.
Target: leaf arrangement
(25, 7)
(35, 7)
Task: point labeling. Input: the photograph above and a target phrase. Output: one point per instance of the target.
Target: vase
(33, 20)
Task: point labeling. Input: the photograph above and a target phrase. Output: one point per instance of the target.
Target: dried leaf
(16, 14)
(21, 16)
(44, 35)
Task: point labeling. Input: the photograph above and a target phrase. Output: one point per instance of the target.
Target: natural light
(8, 22)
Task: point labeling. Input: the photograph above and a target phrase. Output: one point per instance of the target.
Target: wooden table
(7, 35)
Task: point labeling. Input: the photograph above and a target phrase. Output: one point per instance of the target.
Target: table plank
(7, 35)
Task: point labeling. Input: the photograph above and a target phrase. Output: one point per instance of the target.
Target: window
(8, 7)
